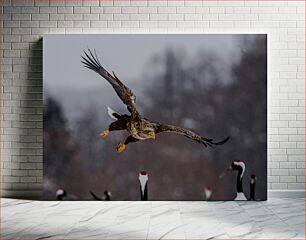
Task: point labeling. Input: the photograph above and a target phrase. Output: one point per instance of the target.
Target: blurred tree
(61, 158)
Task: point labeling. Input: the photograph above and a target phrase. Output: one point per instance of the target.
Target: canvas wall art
(155, 117)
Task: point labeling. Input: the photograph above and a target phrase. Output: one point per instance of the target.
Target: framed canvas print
(155, 117)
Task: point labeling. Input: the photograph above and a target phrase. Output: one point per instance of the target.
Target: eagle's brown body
(139, 127)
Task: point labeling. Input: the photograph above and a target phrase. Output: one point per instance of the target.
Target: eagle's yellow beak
(104, 133)
(152, 134)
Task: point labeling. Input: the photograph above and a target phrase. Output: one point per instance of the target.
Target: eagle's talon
(104, 133)
(121, 147)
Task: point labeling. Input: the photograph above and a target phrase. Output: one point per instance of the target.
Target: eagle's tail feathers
(113, 114)
(221, 142)
(209, 142)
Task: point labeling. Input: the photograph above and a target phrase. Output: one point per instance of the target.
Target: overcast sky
(127, 55)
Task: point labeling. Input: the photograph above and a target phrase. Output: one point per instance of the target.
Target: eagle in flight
(138, 127)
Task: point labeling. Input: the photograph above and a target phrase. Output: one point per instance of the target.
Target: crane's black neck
(239, 181)
(252, 191)
(107, 196)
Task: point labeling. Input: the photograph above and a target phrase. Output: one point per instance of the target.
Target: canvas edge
(37, 194)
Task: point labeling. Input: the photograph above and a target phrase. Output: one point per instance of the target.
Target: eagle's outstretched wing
(187, 133)
(125, 94)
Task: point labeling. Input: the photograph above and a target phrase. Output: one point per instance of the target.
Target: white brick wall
(25, 21)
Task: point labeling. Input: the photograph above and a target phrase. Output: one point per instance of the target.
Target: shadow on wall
(30, 125)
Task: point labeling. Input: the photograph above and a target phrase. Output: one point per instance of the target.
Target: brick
(36, 173)
(296, 172)
(129, 10)
(20, 186)
(291, 10)
(65, 24)
(139, 3)
(287, 179)
(96, 10)
(63, 10)
(130, 24)
(42, 2)
(242, 10)
(29, 10)
(81, 10)
(300, 165)
(161, 17)
(47, 24)
(300, 179)
(222, 24)
(11, 24)
(73, 17)
(231, 3)
(148, 24)
(261, 10)
(57, 17)
(166, 9)
(98, 24)
(19, 173)
(147, 9)
(229, 17)
(27, 179)
(40, 16)
(10, 179)
(57, 3)
(280, 172)
(158, 3)
(195, 3)
(74, 3)
(140, 17)
(40, 31)
(273, 179)
(287, 165)
(185, 10)
(23, 3)
(90, 16)
(48, 9)
(82, 24)
(176, 17)
(217, 10)
(11, 10)
(167, 24)
(91, 3)
(183, 24)
(21, 31)
(202, 10)
(111, 10)
(195, 17)
(296, 186)
(120, 17)
(296, 158)
(21, 17)
(279, 186)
